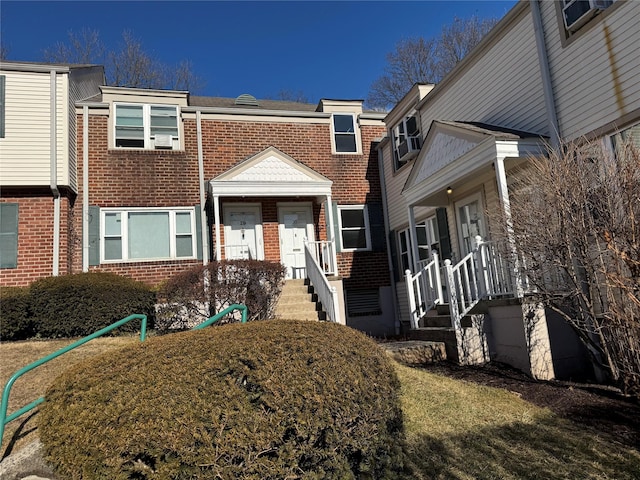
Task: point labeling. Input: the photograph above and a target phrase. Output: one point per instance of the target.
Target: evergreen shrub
(264, 400)
(78, 305)
(185, 302)
(16, 322)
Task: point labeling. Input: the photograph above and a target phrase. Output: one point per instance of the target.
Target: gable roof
(270, 172)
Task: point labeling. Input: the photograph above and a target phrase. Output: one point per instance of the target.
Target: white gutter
(547, 87)
(85, 188)
(203, 217)
(54, 174)
(385, 214)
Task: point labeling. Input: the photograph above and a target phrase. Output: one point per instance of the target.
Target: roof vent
(246, 99)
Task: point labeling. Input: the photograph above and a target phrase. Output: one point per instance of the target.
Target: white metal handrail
(424, 289)
(322, 252)
(327, 294)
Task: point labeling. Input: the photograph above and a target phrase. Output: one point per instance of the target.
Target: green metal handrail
(7, 388)
(143, 335)
(226, 311)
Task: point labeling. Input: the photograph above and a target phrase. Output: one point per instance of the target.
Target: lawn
(454, 429)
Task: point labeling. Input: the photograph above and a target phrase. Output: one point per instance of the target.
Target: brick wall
(35, 236)
(130, 178)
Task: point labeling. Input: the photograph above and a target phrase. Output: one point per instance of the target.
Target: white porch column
(503, 193)
(415, 256)
(216, 216)
(332, 239)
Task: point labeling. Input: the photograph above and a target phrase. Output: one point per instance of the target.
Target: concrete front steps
(435, 326)
(298, 302)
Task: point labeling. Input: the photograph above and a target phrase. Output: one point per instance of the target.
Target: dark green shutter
(199, 231)
(376, 225)
(395, 261)
(443, 232)
(94, 235)
(8, 235)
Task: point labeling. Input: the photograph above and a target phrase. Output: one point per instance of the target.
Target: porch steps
(298, 302)
(435, 326)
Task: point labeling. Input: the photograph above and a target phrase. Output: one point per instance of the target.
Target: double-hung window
(146, 126)
(344, 133)
(354, 227)
(148, 234)
(8, 235)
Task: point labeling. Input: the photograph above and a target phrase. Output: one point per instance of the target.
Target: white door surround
(295, 225)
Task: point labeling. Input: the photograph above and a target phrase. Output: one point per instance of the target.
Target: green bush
(16, 322)
(77, 305)
(185, 302)
(263, 400)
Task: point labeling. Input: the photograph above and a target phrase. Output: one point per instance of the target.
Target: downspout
(204, 233)
(385, 215)
(54, 175)
(85, 188)
(545, 73)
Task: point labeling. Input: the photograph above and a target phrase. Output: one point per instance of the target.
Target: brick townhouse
(161, 181)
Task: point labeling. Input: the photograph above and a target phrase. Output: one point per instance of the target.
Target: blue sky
(324, 49)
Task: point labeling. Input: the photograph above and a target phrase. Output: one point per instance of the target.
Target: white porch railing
(322, 252)
(483, 273)
(327, 294)
(424, 289)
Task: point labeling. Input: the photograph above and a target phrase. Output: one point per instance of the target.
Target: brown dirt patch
(601, 408)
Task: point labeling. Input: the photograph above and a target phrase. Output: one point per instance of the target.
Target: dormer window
(146, 126)
(345, 133)
(406, 140)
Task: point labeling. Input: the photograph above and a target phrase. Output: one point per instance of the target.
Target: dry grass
(455, 430)
(32, 385)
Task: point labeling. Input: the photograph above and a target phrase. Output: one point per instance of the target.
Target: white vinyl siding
(27, 123)
(605, 56)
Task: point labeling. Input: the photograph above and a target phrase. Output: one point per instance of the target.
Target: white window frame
(356, 134)
(399, 133)
(124, 235)
(482, 226)
(430, 225)
(405, 234)
(367, 229)
(148, 138)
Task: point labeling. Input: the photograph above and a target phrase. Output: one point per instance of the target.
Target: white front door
(243, 233)
(295, 225)
(470, 222)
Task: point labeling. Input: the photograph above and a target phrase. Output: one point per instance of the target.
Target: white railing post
(412, 299)
(481, 268)
(436, 272)
(453, 297)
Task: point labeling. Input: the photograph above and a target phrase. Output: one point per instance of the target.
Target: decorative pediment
(271, 172)
(443, 146)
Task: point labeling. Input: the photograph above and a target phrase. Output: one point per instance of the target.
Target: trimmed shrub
(185, 302)
(16, 322)
(78, 305)
(263, 400)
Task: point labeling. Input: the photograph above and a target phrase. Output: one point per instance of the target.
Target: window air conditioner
(163, 141)
(407, 149)
(578, 12)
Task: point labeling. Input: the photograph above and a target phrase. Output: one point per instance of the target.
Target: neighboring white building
(548, 71)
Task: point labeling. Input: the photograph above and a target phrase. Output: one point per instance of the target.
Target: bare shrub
(575, 220)
(191, 297)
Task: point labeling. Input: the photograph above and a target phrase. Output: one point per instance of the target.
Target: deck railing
(327, 295)
(424, 289)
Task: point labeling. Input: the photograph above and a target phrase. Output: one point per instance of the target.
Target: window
(2, 87)
(470, 222)
(8, 235)
(628, 136)
(146, 126)
(144, 234)
(344, 133)
(428, 238)
(406, 140)
(404, 243)
(354, 227)
(576, 13)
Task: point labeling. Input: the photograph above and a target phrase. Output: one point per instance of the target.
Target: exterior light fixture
(449, 190)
